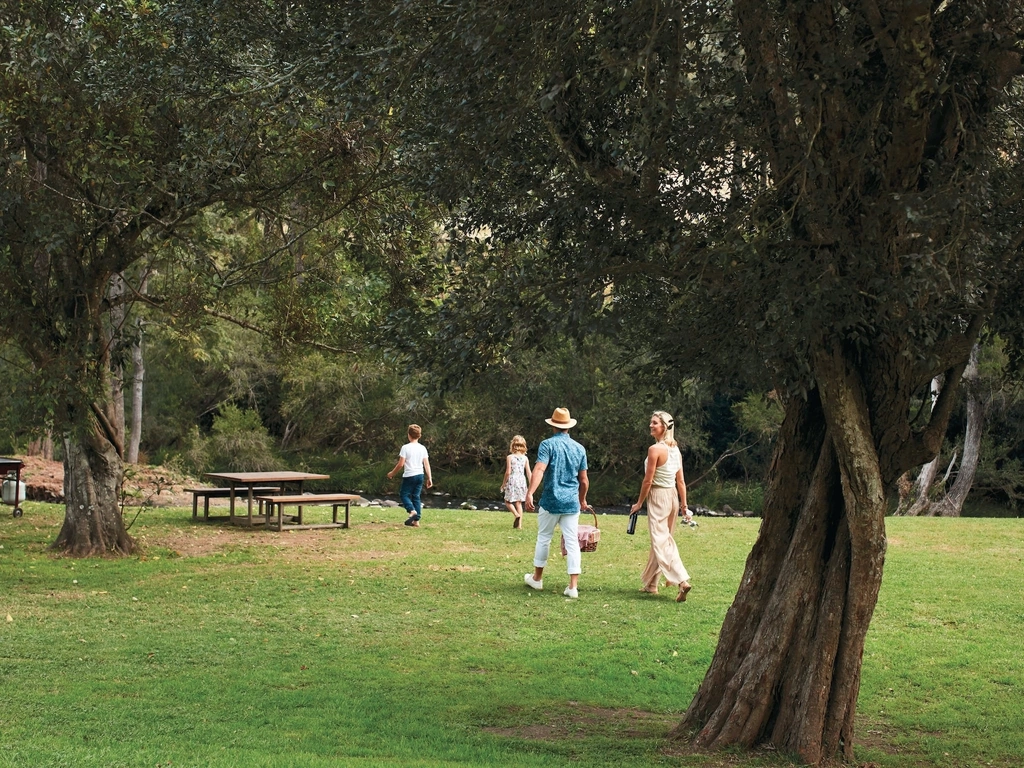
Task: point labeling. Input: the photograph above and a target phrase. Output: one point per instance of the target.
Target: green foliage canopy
(628, 145)
(119, 124)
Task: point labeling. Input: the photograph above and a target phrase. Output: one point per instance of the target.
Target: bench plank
(310, 499)
(334, 500)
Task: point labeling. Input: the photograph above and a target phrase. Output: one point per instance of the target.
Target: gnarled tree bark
(94, 469)
(93, 524)
(787, 669)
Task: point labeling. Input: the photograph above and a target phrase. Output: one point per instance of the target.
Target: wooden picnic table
(250, 480)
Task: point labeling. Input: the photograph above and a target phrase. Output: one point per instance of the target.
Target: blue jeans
(410, 494)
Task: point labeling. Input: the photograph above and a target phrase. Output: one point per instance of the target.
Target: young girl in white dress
(517, 469)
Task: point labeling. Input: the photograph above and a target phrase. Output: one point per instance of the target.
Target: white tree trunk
(951, 504)
(138, 379)
(926, 477)
(115, 332)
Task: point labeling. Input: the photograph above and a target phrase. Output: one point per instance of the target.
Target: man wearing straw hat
(562, 465)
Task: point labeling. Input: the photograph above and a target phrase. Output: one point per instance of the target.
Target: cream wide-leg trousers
(662, 510)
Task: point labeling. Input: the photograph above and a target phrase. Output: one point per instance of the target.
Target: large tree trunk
(93, 471)
(788, 663)
(787, 667)
(853, 115)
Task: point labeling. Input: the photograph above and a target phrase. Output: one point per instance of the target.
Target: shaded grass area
(389, 646)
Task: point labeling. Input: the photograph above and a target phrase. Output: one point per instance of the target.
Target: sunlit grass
(384, 645)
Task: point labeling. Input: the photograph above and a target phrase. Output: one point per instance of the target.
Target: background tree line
(345, 413)
(222, 396)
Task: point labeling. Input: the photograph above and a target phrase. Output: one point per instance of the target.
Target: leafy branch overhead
(120, 127)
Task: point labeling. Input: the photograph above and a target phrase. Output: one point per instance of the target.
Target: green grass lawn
(390, 646)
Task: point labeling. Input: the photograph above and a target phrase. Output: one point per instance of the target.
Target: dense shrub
(238, 442)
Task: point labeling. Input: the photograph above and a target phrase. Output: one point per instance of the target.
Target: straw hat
(561, 419)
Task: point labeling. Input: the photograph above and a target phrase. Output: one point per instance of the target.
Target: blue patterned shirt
(565, 459)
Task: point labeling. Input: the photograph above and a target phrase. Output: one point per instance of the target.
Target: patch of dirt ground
(577, 721)
(143, 485)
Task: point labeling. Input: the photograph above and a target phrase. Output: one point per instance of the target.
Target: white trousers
(546, 523)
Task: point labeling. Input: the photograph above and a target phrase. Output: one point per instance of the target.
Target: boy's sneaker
(570, 592)
(533, 583)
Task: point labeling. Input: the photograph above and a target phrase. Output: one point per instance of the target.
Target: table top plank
(255, 478)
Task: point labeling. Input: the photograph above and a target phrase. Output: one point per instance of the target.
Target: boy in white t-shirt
(415, 466)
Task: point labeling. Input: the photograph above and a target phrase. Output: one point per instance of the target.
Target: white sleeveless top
(665, 475)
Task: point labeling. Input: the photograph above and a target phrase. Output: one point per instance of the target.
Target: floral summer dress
(515, 489)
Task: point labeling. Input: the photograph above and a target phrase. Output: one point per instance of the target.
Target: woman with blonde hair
(517, 469)
(664, 490)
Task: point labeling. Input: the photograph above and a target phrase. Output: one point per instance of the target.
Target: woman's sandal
(683, 589)
(649, 591)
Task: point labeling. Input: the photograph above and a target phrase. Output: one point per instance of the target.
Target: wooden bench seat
(218, 493)
(335, 500)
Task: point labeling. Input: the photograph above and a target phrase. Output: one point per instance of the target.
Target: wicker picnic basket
(588, 535)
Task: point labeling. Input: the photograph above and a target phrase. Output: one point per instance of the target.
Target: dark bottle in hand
(631, 527)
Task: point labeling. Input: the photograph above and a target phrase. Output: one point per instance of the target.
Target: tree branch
(559, 106)
(107, 428)
(268, 334)
(728, 454)
(924, 445)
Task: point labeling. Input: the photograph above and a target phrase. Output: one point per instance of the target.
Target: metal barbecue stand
(9, 467)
